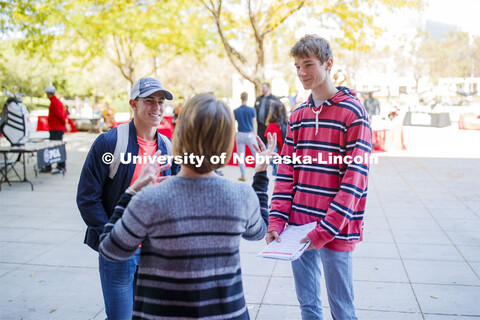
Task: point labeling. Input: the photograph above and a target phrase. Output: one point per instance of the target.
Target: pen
(306, 244)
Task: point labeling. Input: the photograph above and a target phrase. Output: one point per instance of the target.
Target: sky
(464, 13)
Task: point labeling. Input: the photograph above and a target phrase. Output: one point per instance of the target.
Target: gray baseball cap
(147, 86)
(50, 89)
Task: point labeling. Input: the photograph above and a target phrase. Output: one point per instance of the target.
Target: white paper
(290, 247)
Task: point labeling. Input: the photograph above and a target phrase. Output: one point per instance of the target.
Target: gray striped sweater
(190, 230)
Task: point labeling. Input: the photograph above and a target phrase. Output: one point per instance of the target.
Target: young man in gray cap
(104, 179)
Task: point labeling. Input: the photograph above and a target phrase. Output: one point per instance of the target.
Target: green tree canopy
(252, 23)
(137, 37)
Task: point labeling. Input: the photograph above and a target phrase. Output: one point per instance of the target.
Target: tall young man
(98, 192)
(332, 122)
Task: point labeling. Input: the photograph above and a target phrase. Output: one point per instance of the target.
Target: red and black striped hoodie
(333, 194)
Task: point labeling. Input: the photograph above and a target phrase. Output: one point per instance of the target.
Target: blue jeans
(275, 168)
(337, 267)
(274, 165)
(245, 139)
(118, 286)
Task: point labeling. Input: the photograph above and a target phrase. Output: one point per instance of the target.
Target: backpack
(121, 147)
(15, 122)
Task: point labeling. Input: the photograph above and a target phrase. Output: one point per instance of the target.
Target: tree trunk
(258, 88)
(129, 92)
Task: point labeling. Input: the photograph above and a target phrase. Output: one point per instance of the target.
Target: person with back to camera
(277, 123)
(100, 186)
(247, 126)
(331, 122)
(262, 107)
(190, 262)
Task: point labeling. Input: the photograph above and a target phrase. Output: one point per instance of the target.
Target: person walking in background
(262, 106)
(332, 122)
(247, 126)
(277, 123)
(190, 260)
(371, 105)
(100, 186)
(57, 121)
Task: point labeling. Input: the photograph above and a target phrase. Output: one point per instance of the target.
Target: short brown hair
(206, 128)
(244, 96)
(311, 44)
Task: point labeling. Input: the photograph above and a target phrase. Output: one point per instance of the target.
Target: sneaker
(59, 171)
(242, 179)
(45, 170)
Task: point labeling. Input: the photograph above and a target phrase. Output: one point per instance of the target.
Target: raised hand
(150, 174)
(262, 151)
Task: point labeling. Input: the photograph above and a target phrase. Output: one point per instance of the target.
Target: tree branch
(237, 59)
(118, 62)
(253, 21)
(279, 21)
(131, 58)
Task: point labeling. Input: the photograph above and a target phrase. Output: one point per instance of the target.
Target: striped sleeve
(353, 188)
(258, 221)
(125, 231)
(283, 192)
(117, 214)
(260, 185)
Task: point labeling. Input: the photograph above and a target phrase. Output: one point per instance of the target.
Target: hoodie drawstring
(316, 118)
